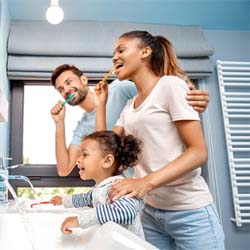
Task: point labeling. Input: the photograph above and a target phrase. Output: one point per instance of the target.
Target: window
(38, 125)
(32, 135)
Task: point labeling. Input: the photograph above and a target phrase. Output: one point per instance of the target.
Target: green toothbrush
(68, 99)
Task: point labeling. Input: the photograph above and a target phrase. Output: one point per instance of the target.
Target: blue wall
(228, 46)
(4, 83)
(210, 14)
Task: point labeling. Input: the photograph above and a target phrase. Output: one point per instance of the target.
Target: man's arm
(65, 157)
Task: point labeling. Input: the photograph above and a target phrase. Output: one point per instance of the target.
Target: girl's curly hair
(125, 149)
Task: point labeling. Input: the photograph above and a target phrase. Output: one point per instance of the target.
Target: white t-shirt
(153, 123)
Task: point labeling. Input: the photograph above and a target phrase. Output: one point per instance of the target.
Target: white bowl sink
(40, 230)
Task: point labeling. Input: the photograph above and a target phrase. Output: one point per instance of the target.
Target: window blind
(35, 48)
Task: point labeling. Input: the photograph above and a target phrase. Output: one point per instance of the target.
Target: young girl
(104, 155)
(179, 211)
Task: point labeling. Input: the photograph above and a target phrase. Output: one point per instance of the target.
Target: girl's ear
(146, 52)
(84, 80)
(108, 161)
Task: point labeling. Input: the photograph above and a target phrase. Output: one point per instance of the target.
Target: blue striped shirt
(121, 211)
(124, 211)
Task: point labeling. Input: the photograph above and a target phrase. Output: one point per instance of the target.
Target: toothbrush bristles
(112, 71)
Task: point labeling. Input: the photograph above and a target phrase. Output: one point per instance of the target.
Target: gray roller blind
(35, 48)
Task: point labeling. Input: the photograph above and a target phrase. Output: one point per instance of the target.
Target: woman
(179, 211)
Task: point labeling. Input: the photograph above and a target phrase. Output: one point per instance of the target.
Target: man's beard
(82, 94)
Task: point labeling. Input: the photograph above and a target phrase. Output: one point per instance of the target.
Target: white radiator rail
(234, 85)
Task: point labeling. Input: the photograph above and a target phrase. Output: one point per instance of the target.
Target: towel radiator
(234, 85)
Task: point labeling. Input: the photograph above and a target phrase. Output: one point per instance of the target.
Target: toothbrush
(112, 71)
(39, 203)
(68, 99)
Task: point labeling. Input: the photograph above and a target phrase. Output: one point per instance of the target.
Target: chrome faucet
(3, 181)
(9, 167)
(4, 177)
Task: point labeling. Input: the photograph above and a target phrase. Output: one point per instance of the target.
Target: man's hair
(64, 67)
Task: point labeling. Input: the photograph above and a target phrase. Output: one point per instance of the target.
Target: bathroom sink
(39, 229)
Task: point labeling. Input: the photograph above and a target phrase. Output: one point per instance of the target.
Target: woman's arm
(194, 156)
(101, 97)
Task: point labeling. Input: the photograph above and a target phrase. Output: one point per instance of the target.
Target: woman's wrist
(149, 182)
(101, 106)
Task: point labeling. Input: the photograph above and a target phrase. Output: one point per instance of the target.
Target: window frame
(41, 175)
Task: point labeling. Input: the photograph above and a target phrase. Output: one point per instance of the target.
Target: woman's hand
(69, 222)
(199, 99)
(101, 93)
(138, 187)
(56, 200)
(100, 96)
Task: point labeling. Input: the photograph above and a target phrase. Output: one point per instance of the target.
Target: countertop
(39, 229)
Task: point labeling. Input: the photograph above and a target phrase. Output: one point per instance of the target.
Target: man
(68, 79)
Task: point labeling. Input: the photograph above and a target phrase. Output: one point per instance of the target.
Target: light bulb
(54, 14)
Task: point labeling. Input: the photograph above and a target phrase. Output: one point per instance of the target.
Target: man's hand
(68, 223)
(199, 99)
(58, 112)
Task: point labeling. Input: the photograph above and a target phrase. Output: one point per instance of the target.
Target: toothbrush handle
(68, 99)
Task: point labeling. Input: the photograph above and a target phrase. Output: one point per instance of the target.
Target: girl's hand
(131, 187)
(69, 222)
(56, 200)
(199, 99)
(101, 93)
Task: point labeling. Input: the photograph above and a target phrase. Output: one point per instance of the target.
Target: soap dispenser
(3, 176)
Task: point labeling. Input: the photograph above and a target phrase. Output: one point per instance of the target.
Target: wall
(210, 14)
(4, 83)
(230, 46)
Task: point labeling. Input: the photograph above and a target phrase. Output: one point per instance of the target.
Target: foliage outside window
(47, 192)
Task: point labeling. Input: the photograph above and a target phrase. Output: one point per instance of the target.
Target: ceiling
(210, 14)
